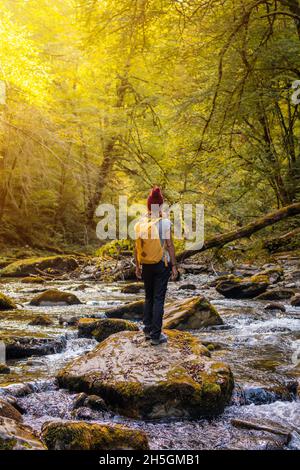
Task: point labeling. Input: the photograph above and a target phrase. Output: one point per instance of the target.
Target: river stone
(275, 306)
(19, 347)
(187, 287)
(17, 436)
(51, 264)
(191, 313)
(6, 303)
(238, 288)
(41, 320)
(100, 329)
(130, 311)
(175, 379)
(132, 288)
(295, 300)
(54, 297)
(91, 436)
(279, 293)
(9, 411)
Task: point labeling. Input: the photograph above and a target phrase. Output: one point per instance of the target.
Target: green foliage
(113, 97)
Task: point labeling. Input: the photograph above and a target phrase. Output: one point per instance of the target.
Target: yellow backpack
(148, 246)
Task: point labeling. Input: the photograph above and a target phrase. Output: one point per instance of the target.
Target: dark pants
(155, 277)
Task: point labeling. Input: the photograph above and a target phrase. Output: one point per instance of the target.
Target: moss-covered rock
(53, 297)
(17, 436)
(243, 288)
(4, 369)
(50, 264)
(141, 381)
(100, 329)
(33, 280)
(41, 320)
(132, 288)
(279, 293)
(191, 313)
(6, 303)
(9, 411)
(87, 436)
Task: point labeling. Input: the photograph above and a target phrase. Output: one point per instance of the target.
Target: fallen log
(245, 231)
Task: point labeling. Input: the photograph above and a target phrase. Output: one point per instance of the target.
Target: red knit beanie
(155, 197)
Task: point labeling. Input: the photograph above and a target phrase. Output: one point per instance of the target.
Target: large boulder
(53, 297)
(130, 311)
(191, 313)
(177, 379)
(100, 329)
(87, 436)
(9, 411)
(279, 293)
(17, 436)
(19, 347)
(50, 264)
(242, 288)
(6, 303)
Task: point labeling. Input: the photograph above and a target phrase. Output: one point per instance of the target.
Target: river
(261, 346)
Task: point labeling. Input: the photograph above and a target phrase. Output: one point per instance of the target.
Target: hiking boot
(162, 339)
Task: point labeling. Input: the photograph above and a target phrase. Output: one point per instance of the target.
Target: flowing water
(262, 348)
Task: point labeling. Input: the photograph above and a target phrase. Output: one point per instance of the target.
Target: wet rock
(4, 369)
(17, 436)
(80, 287)
(192, 313)
(130, 311)
(53, 297)
(187, 287)
(18, 347)
(100, 329)
(90, 401)
(276, 294)
(51, 265)
(138, 380)
(6, 303)
(193, 268)
(275, 306)
(41, 320)
(132, 288)
(295, 300)
(67, 320)
(260, 395)
(238, 288)
(88, 436)
(33, 280)
(9, 411)
(83, 413)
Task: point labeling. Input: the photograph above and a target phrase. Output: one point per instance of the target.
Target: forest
(102, 98)
(107, 344)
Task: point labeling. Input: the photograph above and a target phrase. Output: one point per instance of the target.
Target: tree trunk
(245, 231)
(108, 156)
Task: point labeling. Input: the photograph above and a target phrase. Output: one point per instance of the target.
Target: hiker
(155, 262)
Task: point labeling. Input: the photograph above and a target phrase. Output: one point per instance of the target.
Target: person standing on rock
(155, 262)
